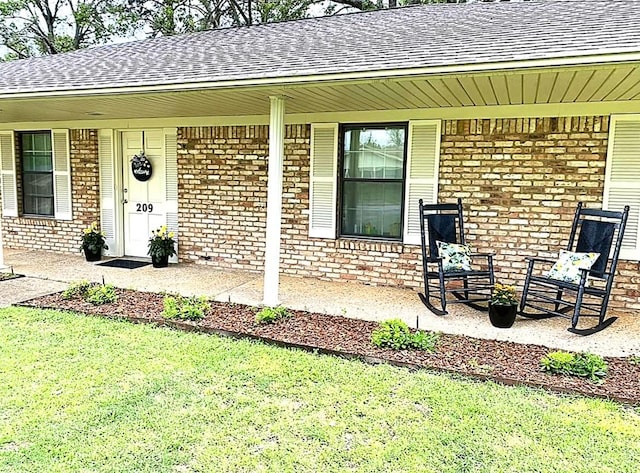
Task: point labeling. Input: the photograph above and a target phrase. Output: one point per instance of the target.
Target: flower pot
(92, 255)
(502, 316)
(160, 261)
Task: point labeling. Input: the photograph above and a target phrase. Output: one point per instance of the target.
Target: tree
(37, 27)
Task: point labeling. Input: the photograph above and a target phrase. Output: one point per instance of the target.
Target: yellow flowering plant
(93, 239)
(503, 294)
(161, 243)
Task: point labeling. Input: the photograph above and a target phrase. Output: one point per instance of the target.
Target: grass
(83, 394)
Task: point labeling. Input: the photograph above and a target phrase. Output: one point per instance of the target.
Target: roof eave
(383, 74)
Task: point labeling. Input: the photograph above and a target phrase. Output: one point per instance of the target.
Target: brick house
(303, 147)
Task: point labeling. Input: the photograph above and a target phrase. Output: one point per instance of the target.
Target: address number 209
(144, 207)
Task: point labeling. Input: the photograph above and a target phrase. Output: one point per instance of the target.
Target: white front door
(144, 201)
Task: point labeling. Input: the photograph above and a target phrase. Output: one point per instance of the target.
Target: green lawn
(82, 394)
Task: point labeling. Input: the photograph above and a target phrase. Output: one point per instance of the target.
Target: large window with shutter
(36, 158)
(372, 180)
(366, 179)
(622, 177)
(42, 168)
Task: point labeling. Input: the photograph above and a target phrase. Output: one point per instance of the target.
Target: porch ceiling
(595, 83)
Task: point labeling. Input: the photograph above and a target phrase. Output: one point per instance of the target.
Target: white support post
(274, 202)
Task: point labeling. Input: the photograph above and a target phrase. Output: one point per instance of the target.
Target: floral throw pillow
(569, 264)
(455, 257)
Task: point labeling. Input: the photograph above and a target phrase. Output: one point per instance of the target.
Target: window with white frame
(45, 178)
(371, 180)
(36, 159)
(366, 179)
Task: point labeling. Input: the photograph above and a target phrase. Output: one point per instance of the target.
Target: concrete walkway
(51, 272)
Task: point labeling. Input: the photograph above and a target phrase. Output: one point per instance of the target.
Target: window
(37, 173)
(372, 180)
(39, 161)
(365, 181)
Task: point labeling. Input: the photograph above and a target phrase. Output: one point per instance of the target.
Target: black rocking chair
(593, 231)
(444, 223)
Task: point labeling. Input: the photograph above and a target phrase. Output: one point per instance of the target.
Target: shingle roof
(419, 36)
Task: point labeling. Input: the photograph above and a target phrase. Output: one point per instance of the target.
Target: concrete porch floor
(51, 272)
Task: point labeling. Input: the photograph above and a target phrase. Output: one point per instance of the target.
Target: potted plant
(503, 305)
(93, 242)
(161, 247)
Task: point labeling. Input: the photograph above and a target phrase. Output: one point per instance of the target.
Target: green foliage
(269, 315)
(585, 365)
(396, 334)
(77, 289)
(100, 294)
(96, 294)
(634, 359)
(185, 308)
(34, 27)
(7, 276)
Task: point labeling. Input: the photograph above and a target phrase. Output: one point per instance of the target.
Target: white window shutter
(422, 174)
(621, 180)
(171, 169)
(61, 174)
(322, 192)
(8, 175)
(108, 197)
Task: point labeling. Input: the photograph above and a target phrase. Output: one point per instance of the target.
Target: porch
(52, 271)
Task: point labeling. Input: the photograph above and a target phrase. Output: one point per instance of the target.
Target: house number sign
(141, 167)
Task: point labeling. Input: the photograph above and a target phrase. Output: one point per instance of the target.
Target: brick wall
(57, 235)
(520, 180)
(222, 183)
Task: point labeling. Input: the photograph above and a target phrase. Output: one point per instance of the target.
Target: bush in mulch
(7, 276)
(504, 362)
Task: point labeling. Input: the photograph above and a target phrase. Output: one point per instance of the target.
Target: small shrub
(396, 334)
(634, 359)
(585, 365)
(588, 365)
(425, 340)
(100, 294)
(392, 334)
(77, 289)
(557, 362)
(269, 315)
(185, 308)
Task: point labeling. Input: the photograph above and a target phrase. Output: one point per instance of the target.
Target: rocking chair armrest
(482, 254)
(489, 256)
(532, 260)
(535, 259)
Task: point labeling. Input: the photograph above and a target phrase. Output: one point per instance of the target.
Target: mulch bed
(504, 362)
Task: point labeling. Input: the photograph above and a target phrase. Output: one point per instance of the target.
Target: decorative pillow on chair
(569, 264)
(455, 257)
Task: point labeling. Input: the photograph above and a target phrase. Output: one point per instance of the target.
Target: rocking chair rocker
(580, 282)
(446, 261)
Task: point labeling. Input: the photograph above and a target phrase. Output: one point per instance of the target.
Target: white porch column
(274, 202)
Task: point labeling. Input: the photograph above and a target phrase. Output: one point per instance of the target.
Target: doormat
(124, 263)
